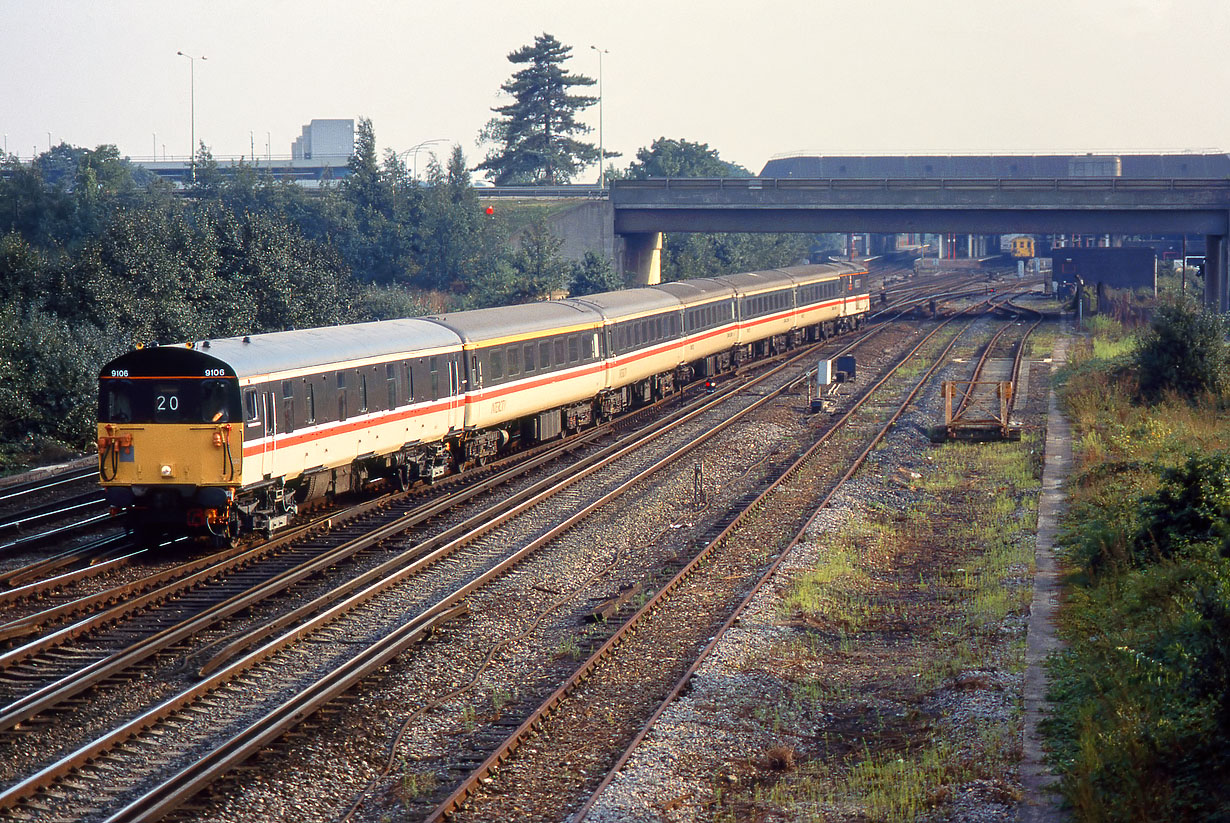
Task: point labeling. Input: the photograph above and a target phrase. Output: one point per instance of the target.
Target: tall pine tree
(535, 131)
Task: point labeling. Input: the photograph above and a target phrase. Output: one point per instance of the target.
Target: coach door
(456, 403)
(268, 423)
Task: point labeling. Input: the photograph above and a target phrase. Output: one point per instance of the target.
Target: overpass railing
(528, 192)
(926, 184)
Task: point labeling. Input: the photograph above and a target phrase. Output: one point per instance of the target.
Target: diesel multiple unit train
(226, 436)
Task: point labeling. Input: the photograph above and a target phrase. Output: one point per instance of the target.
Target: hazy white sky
(751, 79)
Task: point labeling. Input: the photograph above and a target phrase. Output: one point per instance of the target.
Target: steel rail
(161, 800)
(47, 511)
(28, 573)
(44, 483)
(101, 566)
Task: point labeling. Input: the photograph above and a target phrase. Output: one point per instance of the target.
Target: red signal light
(490, 210)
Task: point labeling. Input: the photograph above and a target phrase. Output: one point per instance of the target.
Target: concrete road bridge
(629, 221)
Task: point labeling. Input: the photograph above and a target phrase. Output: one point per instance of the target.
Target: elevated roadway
(643, 209)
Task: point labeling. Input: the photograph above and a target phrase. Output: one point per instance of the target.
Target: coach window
(514, 361)
(390, 379)
(529, 357)
(496, 360)
(558, 346)
(249, 406)
(214, 402)
(574, 349)
(434, 367)
(592, 345)
(544, 354)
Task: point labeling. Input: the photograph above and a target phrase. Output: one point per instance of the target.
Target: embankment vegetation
(1141, 723)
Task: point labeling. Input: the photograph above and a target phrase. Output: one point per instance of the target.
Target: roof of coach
(819, 271)
(324, 347)
(698, 290)
(758, 281)
(628, 302)
(482, 325)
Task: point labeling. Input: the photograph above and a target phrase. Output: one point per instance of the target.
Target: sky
(751, 79)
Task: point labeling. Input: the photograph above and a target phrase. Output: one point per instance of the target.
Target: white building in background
(321, 154)
(324, 138)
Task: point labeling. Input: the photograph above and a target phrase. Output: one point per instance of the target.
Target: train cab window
(529, 357)
(311, 404)
(116, 402)
(214, 405)
(514, 361)
(544, 355)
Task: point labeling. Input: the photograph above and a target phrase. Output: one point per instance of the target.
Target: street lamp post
(192, 106)
(601, 144)
(415, 151)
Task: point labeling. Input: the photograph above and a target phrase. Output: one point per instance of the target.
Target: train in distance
(222, 437)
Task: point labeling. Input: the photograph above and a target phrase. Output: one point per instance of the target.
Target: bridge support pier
(643, 258)
(1215, 272)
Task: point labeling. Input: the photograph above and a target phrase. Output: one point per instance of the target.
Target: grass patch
(903, 603)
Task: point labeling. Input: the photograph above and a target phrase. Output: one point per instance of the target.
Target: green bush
(1191, 507)
(1183, 352)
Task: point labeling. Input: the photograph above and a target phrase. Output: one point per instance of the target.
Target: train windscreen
(167, 400)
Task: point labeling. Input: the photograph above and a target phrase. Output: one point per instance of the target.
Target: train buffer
(982, 415)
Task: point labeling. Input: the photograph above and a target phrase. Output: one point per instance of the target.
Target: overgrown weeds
(1141, 721)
